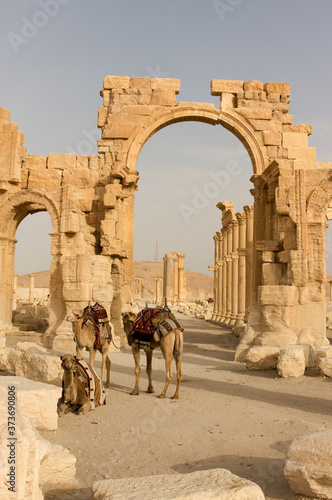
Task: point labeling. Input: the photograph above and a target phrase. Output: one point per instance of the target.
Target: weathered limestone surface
(29, 360)
(58, 469)
(3, 354)
(30, 449)
(209, 484)
(291, 362)
(308, 466)
(324, 366)
(37, 400)
(262, 358)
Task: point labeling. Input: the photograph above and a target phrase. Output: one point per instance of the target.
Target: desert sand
(226, 417)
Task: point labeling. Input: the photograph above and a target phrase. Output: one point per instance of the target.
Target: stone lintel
(268, 246)
(253, 85)
(277, 88)
(229, 86)
(196, 105)
(116, 82)
(170, 84)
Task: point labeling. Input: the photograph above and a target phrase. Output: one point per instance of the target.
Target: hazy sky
(56, 53)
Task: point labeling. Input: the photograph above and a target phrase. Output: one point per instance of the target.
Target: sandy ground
(226, 417)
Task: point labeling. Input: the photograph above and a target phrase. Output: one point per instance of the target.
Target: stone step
(23, 336)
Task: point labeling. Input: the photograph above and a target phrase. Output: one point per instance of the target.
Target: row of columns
(171, 286)
(233, 267)
(174, 286)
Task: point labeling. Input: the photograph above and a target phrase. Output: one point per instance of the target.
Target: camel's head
(73, 316)
(128, 318)
(68, 361)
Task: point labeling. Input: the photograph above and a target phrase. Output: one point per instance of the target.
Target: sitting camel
(82, 389)
(85, 338)
(171, 345)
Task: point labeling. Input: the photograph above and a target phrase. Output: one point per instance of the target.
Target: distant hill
(42, 279)
(148, 270)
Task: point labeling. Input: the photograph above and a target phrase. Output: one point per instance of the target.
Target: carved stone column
(175, 276)
(158, 289)
(215, 269)
(181, 289)
(235, 271)
(241, 217)
(220, 273)
(249, 210)
(167, 277)
(31, 287)
(229, 274)
(224, 276)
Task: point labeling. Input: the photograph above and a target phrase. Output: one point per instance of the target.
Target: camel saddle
(97, 316)
(93, 386)
(149, 326)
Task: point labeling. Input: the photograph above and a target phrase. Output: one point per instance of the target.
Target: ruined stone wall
(85, 205)
(91, 204)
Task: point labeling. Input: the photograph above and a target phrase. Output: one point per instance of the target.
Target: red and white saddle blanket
(150, 324)
(92, 384)
(97, 316)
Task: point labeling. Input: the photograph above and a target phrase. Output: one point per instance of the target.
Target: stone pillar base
(63, 342)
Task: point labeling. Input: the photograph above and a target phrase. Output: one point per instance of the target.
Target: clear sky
(56, 53)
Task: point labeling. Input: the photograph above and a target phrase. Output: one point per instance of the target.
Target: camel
(76, 386)
(85, 338)
(170, 345)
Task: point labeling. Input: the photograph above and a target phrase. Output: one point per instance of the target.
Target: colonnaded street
(226, 417)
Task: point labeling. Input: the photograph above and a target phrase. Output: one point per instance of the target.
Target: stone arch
(12, 213)
(21, 204)
(230, 120)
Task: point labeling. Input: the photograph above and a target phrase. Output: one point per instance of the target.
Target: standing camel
(85, 338)
(170, 345)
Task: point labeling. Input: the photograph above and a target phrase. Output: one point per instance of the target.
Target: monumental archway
(94, 200)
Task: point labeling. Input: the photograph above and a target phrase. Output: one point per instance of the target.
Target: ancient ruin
(270, 259)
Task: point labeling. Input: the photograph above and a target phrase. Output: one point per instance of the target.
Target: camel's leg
(167, 350)
(92, 356)
(149, 370)
(178, 348)
(135, 350)
(108, 370)
(79, 352)
(63, 409)
(103, 365)
(84, 408)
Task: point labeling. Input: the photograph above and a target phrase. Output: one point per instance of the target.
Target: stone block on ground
(58, 469)
(291, 362)
(38, 401)
(262, 358)
(308, 466)
(29, 360)
(29, 449)
(324, 366)
(323, 352)
(207, 484)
